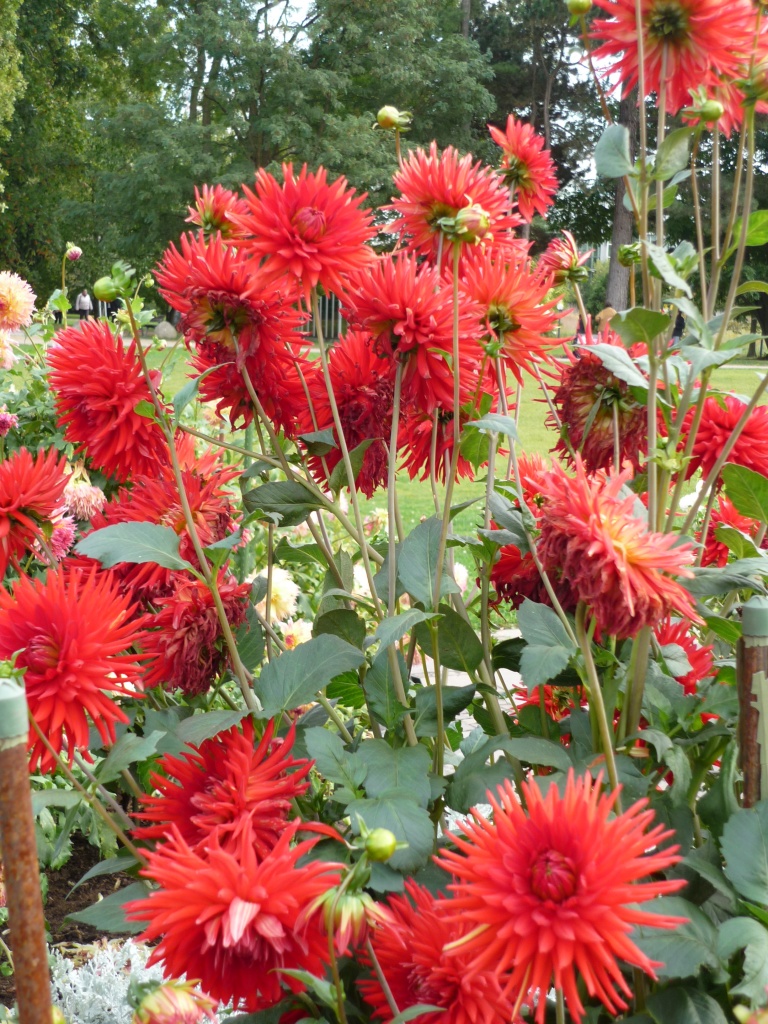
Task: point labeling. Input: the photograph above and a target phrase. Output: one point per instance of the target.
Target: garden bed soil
(62, 901)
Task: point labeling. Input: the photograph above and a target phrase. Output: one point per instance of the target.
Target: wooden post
(752, 681)
(19, 851)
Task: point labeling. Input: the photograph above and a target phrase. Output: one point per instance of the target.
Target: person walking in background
(677, 333)
(83, 304)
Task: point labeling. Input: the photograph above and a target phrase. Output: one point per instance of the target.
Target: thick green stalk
(596, 696)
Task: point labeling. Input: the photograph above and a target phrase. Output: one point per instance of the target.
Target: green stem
(440, 738)
(559, 1007)
(636, 689)
(596, 696)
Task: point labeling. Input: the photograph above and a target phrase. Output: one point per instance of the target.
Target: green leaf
(548, 647)
(136, 543)
(145, 409)
(380, 690)
(341, 622)
(289, 499)
(460, 647)
(687, 948)
(739, 544)
(111, 866)
(682, 1005)
(356, 456)
(296, 676)
(752, 286)
(497, 424)
(188, 394)
(757, 230)
(319, 442)
(417, 564)
(394, 771)
(250, 640)
(536, 750)
(415, 1011)
(346, 690)
(108, 916)
(474, 778)
(128, 750)
(390, 630)
(198, 728)
(747, 490)
(740, 575)
(744, 933)
(410, 824)
(727, 629)
(455, 700)
(745, 848)
(672, 155)
(634, 325)
(66, 798)
(612, 159)
(334, 762)
(665, 268)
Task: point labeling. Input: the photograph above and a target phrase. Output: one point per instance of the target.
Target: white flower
(295, 632)
(283, 597)
(461, 575)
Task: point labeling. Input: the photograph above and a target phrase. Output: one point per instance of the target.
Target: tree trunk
(617, 284)
(466, 10)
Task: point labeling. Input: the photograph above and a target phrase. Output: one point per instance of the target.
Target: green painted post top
(14, 720)
(754, 617)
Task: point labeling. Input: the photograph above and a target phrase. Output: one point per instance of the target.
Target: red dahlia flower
(307, 229)
(544, 895)
(526, 166)
(438, 185)
(363, 385)
(718, 421)
(725, 514)
(563, 260)
(416, 440)
(97, 408)
(686, 43)
(700, 658)
(31, 495)
(225, 790)
(409, 944)
(213, 211)
(186, 644)
(71, 631)
(591, 536)
(235, 921)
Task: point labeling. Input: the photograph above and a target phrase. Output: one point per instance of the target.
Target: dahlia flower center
(517, 172)
(553, 876)
(310, 223)
(668, 22)
(501, 321)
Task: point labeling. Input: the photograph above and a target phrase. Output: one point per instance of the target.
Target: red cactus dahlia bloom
(563, 260)
(235, 921)
(213, 210)
(186, 644)
(545, 895)
(71, 631)
(31, 495)
(437, 185)
(97, 408)
(701, 660)
(725, 514)
(686, 43)
(416, 440)
(526, 166)
(409, 943)
(718, 421)
(363, 385)
(307, 229)
(592, 538)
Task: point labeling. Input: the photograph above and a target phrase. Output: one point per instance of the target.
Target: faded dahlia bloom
(592, 404)
(718, 422)
(7, 355)
(17, 302)
(307, 229)
(31, 495)
(559, 701)
(97, 408)
(680, 632)
(62, 537)
(526, 166)
(295, 632)
(563, 260)
(409, 311)
(71, 631)
(516, 321)
(8, 420)
(235, 921)
(214, 209)
(83, 499)
(543, 894)
(186, 644)
(363, 385)
(225, 791)
(410, 944)
(282, 600)
(591, 536)
(725, 514)
(437, 185)
(688, 42)
(173, 1002)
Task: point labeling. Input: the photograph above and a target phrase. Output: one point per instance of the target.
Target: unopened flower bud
(173, 1002)
(577, 7)
(472, 223)
(105, 289)
(380, 844)
(390, 118)
(57, 1016)
(74, 252)
(629, 255)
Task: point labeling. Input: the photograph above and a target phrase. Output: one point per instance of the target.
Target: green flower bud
(380, 844)
(105, 289)
(577, 7)
(390, 118)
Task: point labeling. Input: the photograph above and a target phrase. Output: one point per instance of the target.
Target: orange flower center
(668, 22)
(553, 876)
(310, 223)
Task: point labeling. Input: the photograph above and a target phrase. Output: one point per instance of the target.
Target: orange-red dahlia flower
(186, 643)
(526, 166)
(97, 408)
(437, 185)
(563, 260)
(725, 514)
(552, 891)
(700, 658)
(421, 435)
(213, 211)
(31, 495)
(234, 921)
(173, 1002)
(591, 537)
(225, 791)
(306, 229)
(719, 418)
(363, 385)
(409, 943)
(17, 301)
(71, 630)
(686, 43)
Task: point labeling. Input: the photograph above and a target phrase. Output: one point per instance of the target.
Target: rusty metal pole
(752, 682)
(19, 850)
